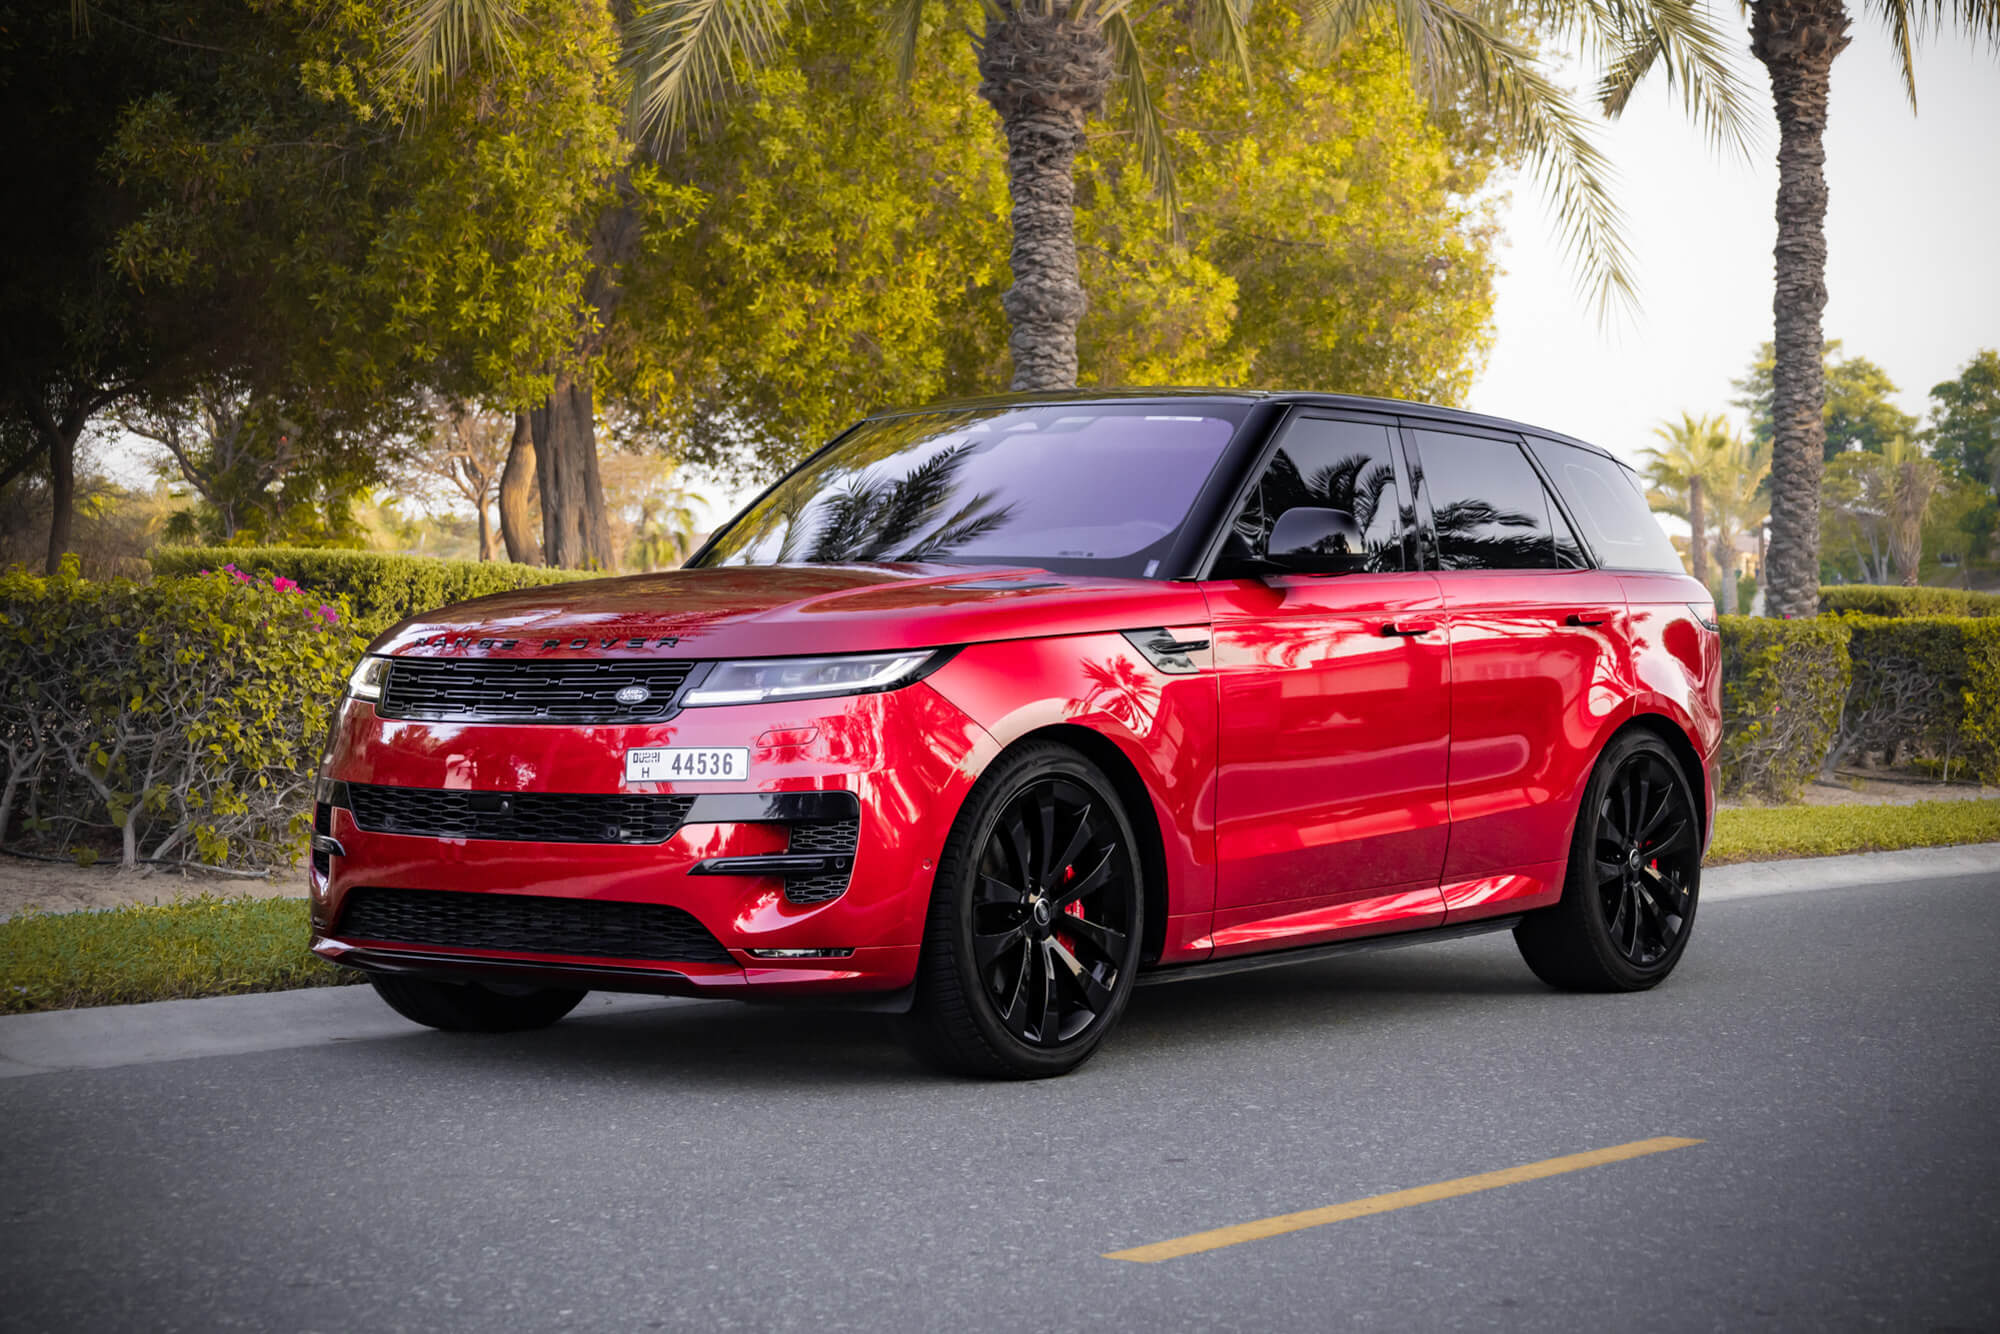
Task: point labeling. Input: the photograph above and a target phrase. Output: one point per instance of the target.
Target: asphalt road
(702, 1165)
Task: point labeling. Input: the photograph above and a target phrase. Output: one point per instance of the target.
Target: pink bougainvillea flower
(332, 616)
(284, 585)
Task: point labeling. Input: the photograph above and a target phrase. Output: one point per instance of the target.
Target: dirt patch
(66, 887)
(1859, 789)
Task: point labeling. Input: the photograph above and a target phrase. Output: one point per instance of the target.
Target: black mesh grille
(493, 690)
(534, 817)
(824, 837)
(529, 924)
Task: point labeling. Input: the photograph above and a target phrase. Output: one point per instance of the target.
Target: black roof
(1355, 402)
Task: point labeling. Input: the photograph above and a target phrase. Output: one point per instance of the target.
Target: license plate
(688, 764)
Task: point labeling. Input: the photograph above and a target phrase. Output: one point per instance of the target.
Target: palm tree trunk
(1797, 41)
(1697, 532)
(1725, 560)
(517, 481)
(1043, 74)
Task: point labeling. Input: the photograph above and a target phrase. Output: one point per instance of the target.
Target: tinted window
(1086, 488)
(1328, 465)
(1606, 500)
(1487, 505)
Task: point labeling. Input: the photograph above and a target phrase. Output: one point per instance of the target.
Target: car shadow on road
(725, 1043)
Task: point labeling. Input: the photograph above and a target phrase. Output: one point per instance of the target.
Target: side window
(1331, 465)
(1606, 499)
(1488, 507)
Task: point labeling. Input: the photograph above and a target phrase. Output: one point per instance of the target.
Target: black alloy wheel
(1643, 859)
(1634, 877)
(1036, 921)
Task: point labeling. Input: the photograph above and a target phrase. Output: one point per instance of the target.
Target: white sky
(1913, 233)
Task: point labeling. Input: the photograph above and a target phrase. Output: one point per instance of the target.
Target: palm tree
(1045, 67)
(1679, 473)
(1913, 482)
(1736, 502)
(1797, 42)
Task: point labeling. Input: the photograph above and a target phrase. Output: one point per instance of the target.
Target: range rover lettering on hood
(450, 641)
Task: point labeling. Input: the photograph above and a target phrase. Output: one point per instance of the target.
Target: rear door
(1330, 798)
(1540, 664)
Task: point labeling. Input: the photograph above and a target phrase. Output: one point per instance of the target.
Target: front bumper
(902, 761)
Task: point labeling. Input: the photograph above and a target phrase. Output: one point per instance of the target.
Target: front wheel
(469, 1007)
(1634, 877)
(1036, 922)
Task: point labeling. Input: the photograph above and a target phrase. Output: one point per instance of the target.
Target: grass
(200, 947)
(1770, 832)
(221, 947)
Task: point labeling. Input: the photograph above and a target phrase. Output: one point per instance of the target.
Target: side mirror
(1310, 540)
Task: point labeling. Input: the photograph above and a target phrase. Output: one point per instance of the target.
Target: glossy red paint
(1353, 755)
(1331, 764)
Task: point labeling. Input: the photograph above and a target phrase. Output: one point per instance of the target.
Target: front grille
(530, 817)
(502, 690)
(825, 837)
(529, 924)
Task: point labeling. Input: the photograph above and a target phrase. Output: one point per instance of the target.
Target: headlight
(367, 678)
(763, 680)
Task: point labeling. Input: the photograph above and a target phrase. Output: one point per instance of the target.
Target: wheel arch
(1131, 790)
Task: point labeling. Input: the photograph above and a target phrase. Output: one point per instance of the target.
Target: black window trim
(1232, 498)
(1519, 441)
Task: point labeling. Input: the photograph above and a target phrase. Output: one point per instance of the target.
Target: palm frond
(1681, 38)
(685, 54)
(1911, 21)
(1450, 48)
(1142, 116)
(434, 40)
(906, 23)
(1224, 26)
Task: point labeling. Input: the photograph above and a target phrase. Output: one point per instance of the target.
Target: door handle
(1407, 629)
(1585, 618)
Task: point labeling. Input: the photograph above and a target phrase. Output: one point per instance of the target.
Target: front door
(1330, 800)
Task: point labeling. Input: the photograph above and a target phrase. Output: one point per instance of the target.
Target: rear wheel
(1036, 922)
(471, 1007)
(1634, 877)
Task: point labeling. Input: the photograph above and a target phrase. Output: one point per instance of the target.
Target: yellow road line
(1238, 1233)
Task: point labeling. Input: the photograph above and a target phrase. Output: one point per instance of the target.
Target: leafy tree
(1879, 502)
(1797, 41)
(1965, 416)
(1858, 413)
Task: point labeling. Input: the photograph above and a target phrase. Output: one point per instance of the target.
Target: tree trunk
(1725, 557)
(486, 549)
(517, 482)
(575, 534)
(62, 494)
(1697, 532)
(1043, 74)
(1797, 41)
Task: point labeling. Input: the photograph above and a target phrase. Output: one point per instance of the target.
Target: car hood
(781, 610)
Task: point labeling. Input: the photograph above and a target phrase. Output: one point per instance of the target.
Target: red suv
(992, 711)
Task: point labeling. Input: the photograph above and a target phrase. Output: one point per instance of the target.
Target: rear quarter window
(1609, 506)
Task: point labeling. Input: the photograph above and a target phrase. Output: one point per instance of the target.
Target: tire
(470, 1007)
(1634, 877)
(1042, 859)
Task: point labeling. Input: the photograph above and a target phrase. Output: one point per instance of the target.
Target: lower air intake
(528, 924)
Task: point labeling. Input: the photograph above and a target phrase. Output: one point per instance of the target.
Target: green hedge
(1783, 684)
(177, 720)
(1925, 687)
(382, 589)
(1889, 600)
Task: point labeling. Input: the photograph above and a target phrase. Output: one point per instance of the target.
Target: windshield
(1085, 488)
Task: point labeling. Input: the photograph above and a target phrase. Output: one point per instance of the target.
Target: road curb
(105, 1037)
(1751, 880)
